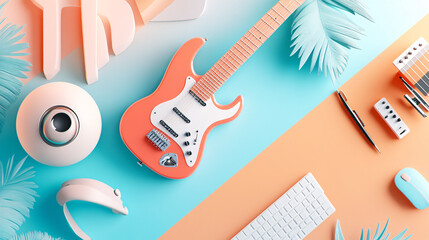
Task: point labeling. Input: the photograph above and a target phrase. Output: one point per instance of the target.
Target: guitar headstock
(414, 67)
(409, 58)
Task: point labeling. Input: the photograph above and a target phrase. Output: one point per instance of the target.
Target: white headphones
(89, 190)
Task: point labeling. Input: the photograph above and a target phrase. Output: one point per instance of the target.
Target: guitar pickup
(181, 115)
(199, 100)
(169, 129)
(158, 139)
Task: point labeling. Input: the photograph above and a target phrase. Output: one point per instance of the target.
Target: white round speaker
(58, 124)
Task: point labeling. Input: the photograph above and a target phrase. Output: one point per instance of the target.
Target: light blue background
(276, 96)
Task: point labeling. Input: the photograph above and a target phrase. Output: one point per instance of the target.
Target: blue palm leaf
(17, 196)
(338, 232)
(384, 235)
(36, 235)
(11, 68)
(322, 33)
(377, 235)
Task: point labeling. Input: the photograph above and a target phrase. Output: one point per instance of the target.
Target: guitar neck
(244, 48)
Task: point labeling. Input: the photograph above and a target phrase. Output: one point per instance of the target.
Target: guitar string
(258, 27)
(424, 55)
(417, 82)
(207, 87)
(406, 64)
(424, 74)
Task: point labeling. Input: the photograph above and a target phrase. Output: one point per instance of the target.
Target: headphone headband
(89, 190)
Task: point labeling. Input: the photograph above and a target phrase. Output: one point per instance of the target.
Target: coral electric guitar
(167, 130)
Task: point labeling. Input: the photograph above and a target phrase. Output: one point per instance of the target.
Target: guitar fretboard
(244, 48)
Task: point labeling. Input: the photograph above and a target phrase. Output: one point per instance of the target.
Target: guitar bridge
(158, 139)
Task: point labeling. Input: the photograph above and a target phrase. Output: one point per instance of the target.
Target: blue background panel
(276, 96)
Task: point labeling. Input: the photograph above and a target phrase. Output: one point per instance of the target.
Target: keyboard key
(255, 225)
(287, 218)
(298, 188)
(300, 197)
(241, 236)
(248, 230)
(330, 210)
(309, 228)
(293, 233)
(256, 235)
(272, 222)
(277, 228)
(282, 212)
(304, 214)
(266, 226)
(293, 216)
(271, 233)
(293, 213)
(292, 224)
(314, 215)
(266, 237)
(281, 234)
(283, 223)
(318, 220)
(261, 231)
(299, 208)
(277, 216)
(266, 214)
(293, 203)
(297, 219)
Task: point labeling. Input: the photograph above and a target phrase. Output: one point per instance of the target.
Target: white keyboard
(293, 216)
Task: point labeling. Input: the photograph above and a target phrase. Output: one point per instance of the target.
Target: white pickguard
(201, 117)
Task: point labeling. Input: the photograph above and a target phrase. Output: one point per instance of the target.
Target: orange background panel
(357, 180)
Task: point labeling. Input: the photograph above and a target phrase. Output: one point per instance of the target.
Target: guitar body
(167, 130)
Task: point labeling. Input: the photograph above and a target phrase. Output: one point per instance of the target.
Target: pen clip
(342, 94)
(360, 120)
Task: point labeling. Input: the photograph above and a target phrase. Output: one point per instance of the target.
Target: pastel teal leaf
(12, 69)
(17, 196)
(384, 229)
(322, 34)
(387, 237)
(351, 6)
(407, 238)
(383, 234)
(36, 235)
(400, 235)
(338, 232)
(376, 235)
